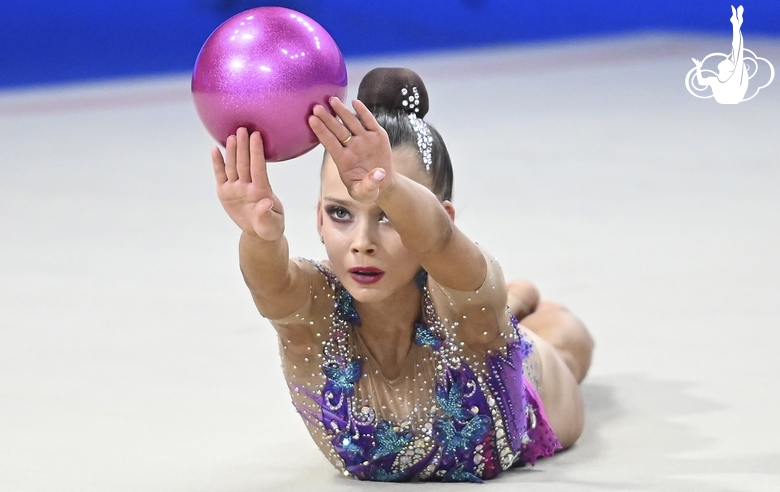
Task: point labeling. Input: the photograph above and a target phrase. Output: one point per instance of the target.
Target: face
(365, 251)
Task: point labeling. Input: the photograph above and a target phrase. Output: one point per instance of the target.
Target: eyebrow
(343, 203)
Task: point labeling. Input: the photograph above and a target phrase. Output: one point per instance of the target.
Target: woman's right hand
(243, 187)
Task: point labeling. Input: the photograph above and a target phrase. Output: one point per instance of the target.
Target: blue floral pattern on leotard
(479, 425)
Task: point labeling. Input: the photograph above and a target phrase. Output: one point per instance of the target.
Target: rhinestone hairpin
(411, 105)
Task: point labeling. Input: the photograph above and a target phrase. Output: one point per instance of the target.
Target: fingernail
(379, 175)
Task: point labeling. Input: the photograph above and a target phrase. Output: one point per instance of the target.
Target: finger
(348, 119)
(219, 165)
(367, 118)
(258, 172)
(368, 187)
(378, 175)
(269, 216)
(331, 123)
(230, 158)
(242, 154)
(263, 206)
(270, 206)
(326, 137)
(374, 178)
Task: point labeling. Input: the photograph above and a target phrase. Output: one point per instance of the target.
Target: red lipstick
(366, 274)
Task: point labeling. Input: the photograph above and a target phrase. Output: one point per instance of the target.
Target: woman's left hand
(358, 145)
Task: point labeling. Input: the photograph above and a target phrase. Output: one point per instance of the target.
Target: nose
(364, 238)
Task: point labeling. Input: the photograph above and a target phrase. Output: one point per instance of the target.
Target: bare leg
(555, 324)
(736, 38)
(563, 347)
(523, 297)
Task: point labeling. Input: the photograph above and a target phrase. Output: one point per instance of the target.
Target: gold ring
(344, 142)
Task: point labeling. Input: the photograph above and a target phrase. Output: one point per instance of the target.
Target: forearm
(265, 265)
(416, 214)
(426, 228)
(699, 78)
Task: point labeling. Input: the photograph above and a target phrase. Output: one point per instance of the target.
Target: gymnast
(406, 353)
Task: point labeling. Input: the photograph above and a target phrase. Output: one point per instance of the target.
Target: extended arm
(444, 251)
(245, 193)
(701, 80)
(366, 168)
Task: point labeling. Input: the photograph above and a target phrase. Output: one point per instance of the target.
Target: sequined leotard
(452, 415)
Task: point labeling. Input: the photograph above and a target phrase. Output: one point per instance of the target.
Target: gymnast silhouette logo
(729, 85)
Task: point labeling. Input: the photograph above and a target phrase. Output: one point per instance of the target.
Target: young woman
(400, 352)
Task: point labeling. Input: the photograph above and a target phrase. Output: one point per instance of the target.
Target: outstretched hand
(358, 145)
(243, 187)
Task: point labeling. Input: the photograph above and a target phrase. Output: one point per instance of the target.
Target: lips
(366, 274)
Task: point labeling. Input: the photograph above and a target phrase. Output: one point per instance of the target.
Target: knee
(551, 306)
(575, 329)
(525, 292)
(569, 335)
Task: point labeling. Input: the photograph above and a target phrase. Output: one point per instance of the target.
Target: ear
(449, 208)
(320, 217)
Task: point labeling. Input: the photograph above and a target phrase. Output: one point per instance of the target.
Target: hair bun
(394, 90)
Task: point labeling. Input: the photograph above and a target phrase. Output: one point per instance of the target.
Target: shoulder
(479, 318)
(321, 284)
(301, 330)
(491, 293)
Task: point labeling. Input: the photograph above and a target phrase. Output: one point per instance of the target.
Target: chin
(366, 294)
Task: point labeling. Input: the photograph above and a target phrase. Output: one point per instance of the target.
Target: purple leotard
(479, 417)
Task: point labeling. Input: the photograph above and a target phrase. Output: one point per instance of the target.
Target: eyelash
(334, 210)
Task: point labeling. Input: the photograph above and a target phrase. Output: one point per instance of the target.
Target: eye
(383, 218)
(338, 214)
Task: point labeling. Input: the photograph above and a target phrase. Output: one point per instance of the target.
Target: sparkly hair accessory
(411, 105)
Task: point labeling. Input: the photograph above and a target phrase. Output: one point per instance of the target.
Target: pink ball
(265, 69)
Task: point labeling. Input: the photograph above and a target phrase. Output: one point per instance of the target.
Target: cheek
(396, 248)
(390, 239)
(334, 239)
